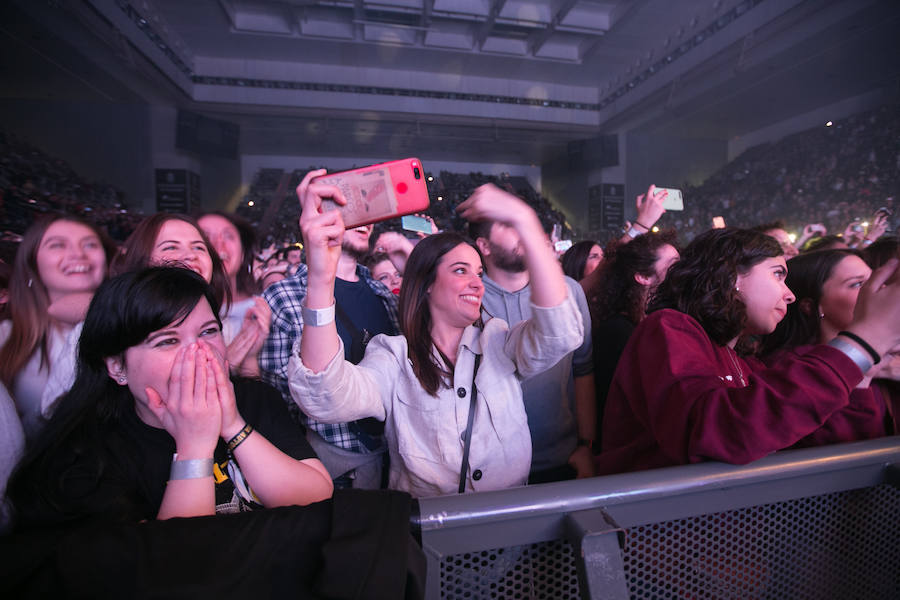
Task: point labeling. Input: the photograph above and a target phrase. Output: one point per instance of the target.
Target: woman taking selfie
(682, 395)
(153, 427)
(444, 376)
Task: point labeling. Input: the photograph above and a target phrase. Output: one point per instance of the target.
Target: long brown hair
(29, 300)
(612, 289)
(138, 247)
(415, 315)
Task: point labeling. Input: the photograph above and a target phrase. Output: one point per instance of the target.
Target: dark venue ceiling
(501, 80)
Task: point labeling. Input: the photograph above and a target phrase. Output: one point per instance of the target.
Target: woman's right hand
(191, 412)
(322, 232)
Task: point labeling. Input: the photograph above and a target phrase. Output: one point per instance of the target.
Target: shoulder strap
(467, 434)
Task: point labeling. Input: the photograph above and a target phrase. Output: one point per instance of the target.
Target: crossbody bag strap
(467, 434)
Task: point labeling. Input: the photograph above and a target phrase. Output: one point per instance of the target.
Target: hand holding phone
(378, 192)
(673, 199)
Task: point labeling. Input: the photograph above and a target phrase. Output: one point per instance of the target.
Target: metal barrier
(813, 523)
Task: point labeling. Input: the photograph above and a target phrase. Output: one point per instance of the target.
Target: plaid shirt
(284, 298)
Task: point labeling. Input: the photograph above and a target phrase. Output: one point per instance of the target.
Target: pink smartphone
(379, 192)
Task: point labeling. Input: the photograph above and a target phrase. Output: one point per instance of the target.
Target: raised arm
(649, 209)
(397, 247)
(488, 202)
(323, 233)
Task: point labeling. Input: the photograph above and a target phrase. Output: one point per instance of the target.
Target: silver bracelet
(859, 357)
(191, 469)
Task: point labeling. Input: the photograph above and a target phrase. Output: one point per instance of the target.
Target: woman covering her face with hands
(421, 383)
(153, 427)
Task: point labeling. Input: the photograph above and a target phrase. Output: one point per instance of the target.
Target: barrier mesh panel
(544, 570)
(840, 545)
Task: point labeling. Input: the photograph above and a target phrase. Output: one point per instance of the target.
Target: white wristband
(859, 357)
(317, 317)
(633, 232)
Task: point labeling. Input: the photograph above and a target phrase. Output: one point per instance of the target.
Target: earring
(122, 380)
(737, 289)
(821, 315)
(30, 281)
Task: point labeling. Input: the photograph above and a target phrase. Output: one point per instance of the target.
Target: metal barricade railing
(813, 523)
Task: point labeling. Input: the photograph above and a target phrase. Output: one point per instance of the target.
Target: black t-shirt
(137, 459)
(365, 311)
(609, 338)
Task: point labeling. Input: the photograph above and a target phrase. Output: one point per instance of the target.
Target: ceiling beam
(488, 25)
(540, 37)
(359, 15)
(424, 21)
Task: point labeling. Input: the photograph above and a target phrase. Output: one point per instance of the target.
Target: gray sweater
(549, 396)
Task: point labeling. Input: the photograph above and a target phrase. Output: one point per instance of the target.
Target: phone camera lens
(416, 172)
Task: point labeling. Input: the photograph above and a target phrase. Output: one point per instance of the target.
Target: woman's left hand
(232, 422)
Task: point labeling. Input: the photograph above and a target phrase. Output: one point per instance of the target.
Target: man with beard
(353, 452)
(559, 402)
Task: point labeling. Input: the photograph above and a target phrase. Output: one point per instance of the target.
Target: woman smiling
(447, 389)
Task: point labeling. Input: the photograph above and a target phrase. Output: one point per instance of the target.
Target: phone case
(414, 223)
(673, 200)
(379, 192)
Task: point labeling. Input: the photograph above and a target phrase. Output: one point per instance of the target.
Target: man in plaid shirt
(352, 452)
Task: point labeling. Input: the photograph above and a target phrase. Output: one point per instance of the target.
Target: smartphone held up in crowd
(674, 199)
(379, 192)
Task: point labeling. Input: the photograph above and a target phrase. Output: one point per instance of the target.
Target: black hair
(575, 259)
(806, 277)
(124, 311)
(880, 251)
